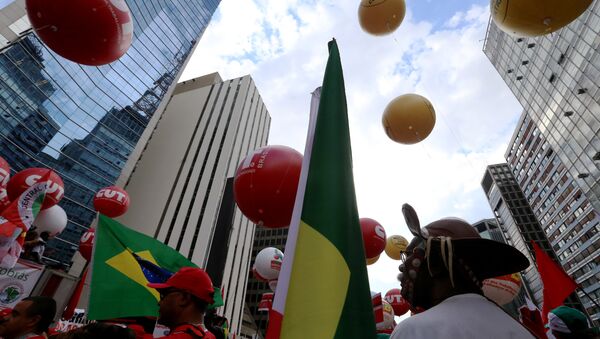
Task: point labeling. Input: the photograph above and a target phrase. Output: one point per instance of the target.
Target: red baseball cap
(190, 279)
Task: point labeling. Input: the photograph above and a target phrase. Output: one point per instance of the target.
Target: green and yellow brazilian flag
(323, 288)
(123, 262)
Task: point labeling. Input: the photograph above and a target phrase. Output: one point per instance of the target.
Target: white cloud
(283, 44)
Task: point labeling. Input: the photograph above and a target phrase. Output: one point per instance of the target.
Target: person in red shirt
(184, 298)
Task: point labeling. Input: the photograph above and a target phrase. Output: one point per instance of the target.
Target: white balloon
(388, 317)
(268, 263)
(52, 220)
(502, 290)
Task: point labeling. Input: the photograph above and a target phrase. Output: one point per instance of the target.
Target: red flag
(377, 307)
(70, 310)
(531, 317)
(557, 283)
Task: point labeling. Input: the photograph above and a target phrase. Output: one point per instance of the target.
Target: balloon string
(455, 135)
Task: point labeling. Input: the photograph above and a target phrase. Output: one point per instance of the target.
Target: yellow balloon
(380, 17)
(395, 246)
(535, 17)
(408, 119)
(371, 261)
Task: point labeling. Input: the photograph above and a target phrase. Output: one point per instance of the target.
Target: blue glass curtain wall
(83, 121)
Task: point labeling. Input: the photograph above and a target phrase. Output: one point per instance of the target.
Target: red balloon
(86, 244)
(4, 172)
(399, 304)
(26, 178)
(89, 32)
(111, 201)
(4, 201)
(265, 185)
(373, 237)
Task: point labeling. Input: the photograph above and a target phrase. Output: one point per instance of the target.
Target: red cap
(192, 280)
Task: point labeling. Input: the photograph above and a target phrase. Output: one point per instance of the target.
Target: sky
(436, 52)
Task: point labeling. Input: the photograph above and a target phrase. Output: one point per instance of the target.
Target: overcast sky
(436, 52)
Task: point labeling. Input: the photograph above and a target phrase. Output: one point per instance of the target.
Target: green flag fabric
(326, 291)
(118, 287)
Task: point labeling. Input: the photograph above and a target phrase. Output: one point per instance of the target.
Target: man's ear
(184, 300)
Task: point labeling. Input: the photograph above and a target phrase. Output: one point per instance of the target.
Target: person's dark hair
(45, 235)
(45, 307)
(30, 235)
(103, 331)
(210, 321)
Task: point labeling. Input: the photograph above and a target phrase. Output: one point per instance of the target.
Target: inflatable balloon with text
(530, 18)
(111, 201)
(21, 181)
(502, 290)
(268, 263)
(373, 237)
(265, 185)
(399, 304)
(4, 201)
(86, 244)
(395, 246)
(408, 119)
(4, 172)
(89, 32)
(381, 17)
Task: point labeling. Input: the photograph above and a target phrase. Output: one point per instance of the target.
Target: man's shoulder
(412, 326)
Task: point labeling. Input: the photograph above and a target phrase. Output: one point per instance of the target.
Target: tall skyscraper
(85, 122)
(555, 78)
(181, 189)
(565, 214)
(519, 225)
(555, 152)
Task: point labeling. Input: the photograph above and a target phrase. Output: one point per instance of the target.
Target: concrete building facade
(555, 151)
(181, 188)
(567, 217)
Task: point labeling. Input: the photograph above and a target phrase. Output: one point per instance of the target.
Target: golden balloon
(395, 246)
(535, 17)
(371, 261)
(408, 119)
(381, 17)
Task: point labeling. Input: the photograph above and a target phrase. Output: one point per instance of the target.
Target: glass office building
(83, 121)
(555, 78)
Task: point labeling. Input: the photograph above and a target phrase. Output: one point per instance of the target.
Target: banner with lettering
(17, 283)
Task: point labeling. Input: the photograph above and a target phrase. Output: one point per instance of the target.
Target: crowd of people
(183, 308)
(441, 279)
